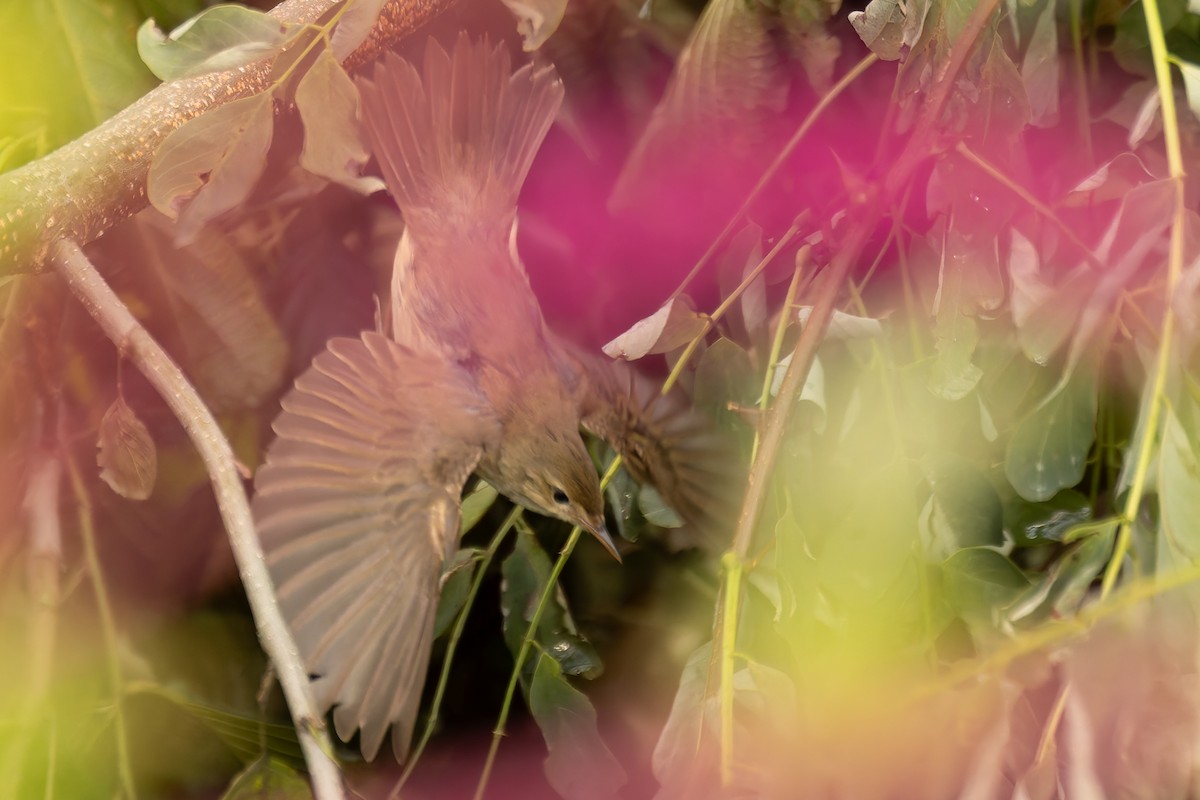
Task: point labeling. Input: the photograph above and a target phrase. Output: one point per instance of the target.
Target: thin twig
(108, 627)
(214, 448)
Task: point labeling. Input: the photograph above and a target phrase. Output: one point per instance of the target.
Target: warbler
(357, 503)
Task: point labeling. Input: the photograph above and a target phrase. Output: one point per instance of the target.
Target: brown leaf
(127, 457)
(673, 325)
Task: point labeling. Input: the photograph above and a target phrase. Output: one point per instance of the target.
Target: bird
(357, 500)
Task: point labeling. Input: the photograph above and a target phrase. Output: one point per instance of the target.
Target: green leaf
(683, 749)
(1191, 85)
(966, 509)
(456, 585)
(724, 375)
(127, 457)
(334, 147)
(525, 573)
(70, 65)
(579, 765)
(1065, 585)
(1045, 315)
(1179, 490)
(1048, 450)
(979, 581)
(216, 39)
(475, 505)
(210, 165)
(672, 326)
(1039, 68)
(655, 509)
(268, 779)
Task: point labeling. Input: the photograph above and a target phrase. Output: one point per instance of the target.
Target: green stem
(731, 565)
(452, 647)
(1146, 448)
(777, 341)
(108, 628)
(527, 641)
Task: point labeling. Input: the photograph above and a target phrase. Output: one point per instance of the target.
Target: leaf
(267, 779)
(954, 375)
(1191, 85)
(525, 573)
(813, 391)
(683, 754)
(965, 505)
(70, 65)
(580, 766)
(1048, 450)
(655, 509)
(127, 457)
(537, 20)
(475, 505)
(843, 325)
(210, 164)
(724, 375)
(1065, 585)
(881, 27)
(1179, 490)
(979, 581)
(1045, 316)
(236, 353)
(1039, 68)
(672, 326)
(216, 39)
(1147, 115)
(456, 585)
(354, 26)
(334, 147)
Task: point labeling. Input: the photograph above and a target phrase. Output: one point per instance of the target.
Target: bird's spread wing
(357, 506)
(662, 441)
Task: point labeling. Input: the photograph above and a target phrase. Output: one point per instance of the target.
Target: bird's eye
(560, 497)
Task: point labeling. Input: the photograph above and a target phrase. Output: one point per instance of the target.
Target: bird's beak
(598, 529)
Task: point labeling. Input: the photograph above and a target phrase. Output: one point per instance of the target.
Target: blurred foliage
(921, 613)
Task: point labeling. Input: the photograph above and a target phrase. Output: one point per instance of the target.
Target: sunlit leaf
(1048, 450)
(334, 147)
(979, 580)
(268, 779)
(843, 325)
(219, 38)
(1191, 85)
(526, 572)
(127, 457)
(537, 20)
(579, 765)
(673, 325)
(354, 26)
(210, 165)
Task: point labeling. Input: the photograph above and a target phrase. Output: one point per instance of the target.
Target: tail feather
(460, 138)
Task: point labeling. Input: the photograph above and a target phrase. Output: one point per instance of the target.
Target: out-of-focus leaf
(1179, 490)
(475, 505)
(954, 375)
(1045, 316)
(526, 572)
(456, 584)
(1039, 68)
(537, 20)
(1147, 116)
(210, 165)
(655, 509)
(1030, 524)
(747, 317)
(673, 325)
(69, 66)
(1191, 85)
(881, 27)
(216, 39)
(724, 375)
(965, 504)
(809, 39)
(813, 391)
(267, 779)
(683, 754)
(1048, 450)
(236, 353)
(843, 325)
(1112, 181)
(127, 457)
(354, 26)
(580, 766)
(979, 581)
(334, 147)
(1066, 583)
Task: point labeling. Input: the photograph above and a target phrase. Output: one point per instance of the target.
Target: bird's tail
(458, 139)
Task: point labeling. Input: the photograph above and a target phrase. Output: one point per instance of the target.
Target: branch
(89, 185)
(202, 428)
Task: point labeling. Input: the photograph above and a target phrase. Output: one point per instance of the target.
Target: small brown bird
(358, 501)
